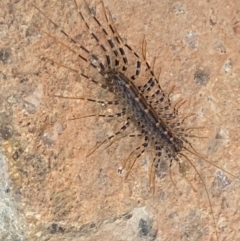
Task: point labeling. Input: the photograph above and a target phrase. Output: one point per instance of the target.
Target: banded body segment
(143, 114)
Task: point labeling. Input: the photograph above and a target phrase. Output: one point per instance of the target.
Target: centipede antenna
(206, 160)
(205, 187)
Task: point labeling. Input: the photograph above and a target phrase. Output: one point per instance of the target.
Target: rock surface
(52, 191)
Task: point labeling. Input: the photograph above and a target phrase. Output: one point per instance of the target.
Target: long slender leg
(121, 130)
(99, 66)
(122, 113)
(116, 43)
(106, 87)
(95, 37)
(128, 163)
(103, 102)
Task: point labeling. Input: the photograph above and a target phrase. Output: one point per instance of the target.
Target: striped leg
(129, 163)
(95, 37)
(116, 43)
(102, 102)
(91, 58)
(119, 114)
(106, 87)
(121, 130)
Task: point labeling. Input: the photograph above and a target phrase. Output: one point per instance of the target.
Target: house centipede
(147, 107)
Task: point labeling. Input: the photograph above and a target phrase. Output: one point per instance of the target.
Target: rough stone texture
(64, 195)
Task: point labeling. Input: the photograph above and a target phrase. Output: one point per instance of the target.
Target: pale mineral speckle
(227, 66)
